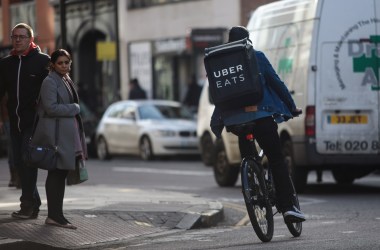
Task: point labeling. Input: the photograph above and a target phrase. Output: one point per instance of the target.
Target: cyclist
(276, 106)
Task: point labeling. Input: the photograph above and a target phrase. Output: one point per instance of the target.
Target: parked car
(147, 128)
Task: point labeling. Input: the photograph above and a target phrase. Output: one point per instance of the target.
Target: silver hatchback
(147, 128)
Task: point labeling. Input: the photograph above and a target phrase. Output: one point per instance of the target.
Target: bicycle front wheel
(256, 199)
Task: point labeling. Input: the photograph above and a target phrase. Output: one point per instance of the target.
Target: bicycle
(259, 191)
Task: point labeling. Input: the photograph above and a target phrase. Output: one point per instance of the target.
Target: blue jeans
(30, 198)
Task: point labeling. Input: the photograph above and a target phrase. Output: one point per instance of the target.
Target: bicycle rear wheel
(295, 228)
(256, 199)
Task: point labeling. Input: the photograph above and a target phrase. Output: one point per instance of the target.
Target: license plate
(347, 119)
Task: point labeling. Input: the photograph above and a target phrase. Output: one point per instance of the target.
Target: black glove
(296, 112)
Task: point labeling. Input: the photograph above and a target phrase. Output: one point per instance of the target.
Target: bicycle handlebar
(296, 112)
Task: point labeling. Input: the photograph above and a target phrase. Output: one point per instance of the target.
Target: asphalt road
(338, 217)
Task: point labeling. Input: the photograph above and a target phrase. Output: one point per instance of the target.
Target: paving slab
(105, 216)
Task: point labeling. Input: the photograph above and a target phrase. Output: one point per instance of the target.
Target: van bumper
(305, 154)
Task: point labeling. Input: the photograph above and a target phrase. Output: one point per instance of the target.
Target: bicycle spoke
(261, 218)
(258, 205)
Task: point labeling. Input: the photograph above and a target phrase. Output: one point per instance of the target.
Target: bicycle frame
(259, 192)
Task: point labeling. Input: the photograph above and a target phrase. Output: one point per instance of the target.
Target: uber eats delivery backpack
(233, 75)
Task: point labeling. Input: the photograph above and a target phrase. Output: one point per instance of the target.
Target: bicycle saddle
(241, 129)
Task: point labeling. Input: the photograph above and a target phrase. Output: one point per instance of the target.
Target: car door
(129, 130)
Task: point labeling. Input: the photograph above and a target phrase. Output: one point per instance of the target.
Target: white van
(222, 154)
(328, 54)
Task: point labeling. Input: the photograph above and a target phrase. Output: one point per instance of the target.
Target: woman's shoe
(52, 222)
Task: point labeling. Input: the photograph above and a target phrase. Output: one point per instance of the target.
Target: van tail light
(310, 121)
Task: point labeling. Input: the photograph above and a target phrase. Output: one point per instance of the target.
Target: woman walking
(58, 109)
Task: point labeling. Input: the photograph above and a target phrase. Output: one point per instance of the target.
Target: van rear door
(347, 88)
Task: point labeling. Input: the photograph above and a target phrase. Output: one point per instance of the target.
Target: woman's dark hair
(54, 56)
(58, 53)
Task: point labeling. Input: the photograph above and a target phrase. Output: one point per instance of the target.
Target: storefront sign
(105, 51)
(170, 45)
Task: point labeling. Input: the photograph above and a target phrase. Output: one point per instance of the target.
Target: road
(337, 217)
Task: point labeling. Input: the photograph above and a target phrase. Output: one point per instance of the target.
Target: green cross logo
(369, 65)
(285, 65)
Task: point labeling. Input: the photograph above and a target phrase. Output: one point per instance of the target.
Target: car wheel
(298, 173)
(102, 149)
(342, 176)
(206, 149)
(225, 174)
(146, 152)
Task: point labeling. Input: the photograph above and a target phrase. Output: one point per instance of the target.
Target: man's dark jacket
(21, 77)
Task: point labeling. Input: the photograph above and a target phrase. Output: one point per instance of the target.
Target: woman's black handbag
(38, 156)
(43, 157)
(79, 175)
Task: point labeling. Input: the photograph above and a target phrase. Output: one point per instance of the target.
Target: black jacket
(137, 93)
(21, 77)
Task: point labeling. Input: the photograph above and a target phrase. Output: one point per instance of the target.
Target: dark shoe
(52, 222)
(26, 214)
(293, 215)
(35, 213)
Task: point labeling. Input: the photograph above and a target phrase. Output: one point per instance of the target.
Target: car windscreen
(159, 112)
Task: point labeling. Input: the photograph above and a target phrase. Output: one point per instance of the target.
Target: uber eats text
(229, 76)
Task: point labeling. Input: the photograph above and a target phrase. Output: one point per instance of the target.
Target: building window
(136, 4)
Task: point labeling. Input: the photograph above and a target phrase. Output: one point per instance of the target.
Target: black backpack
(233, 75)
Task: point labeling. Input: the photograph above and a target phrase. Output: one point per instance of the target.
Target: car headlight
(164, 133)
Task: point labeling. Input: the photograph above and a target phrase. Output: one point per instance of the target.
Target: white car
(147, 128)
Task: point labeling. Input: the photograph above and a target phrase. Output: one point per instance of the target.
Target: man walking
(21, 76)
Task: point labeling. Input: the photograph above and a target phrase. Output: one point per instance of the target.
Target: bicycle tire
(295, 228)
(256, 200)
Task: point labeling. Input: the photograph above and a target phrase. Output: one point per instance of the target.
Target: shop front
(166, 67)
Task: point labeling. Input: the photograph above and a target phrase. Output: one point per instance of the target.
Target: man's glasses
(22, 37)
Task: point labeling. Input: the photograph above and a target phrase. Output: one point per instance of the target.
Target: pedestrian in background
(4, 127)
(21, 76)
(60, 103)
(192, 95)
(135, 90)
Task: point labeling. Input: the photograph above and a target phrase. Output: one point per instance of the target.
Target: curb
(18, 244)
(197, 216)
(208, 218)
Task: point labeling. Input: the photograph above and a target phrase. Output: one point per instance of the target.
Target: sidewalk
(106, 217)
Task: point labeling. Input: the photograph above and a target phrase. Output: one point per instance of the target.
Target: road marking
(348, 232)
(328, 222)
(9, 204)
(239, 207)
(243, 221)
(161, 171)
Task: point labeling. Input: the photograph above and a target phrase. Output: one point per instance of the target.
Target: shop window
(136, 4)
